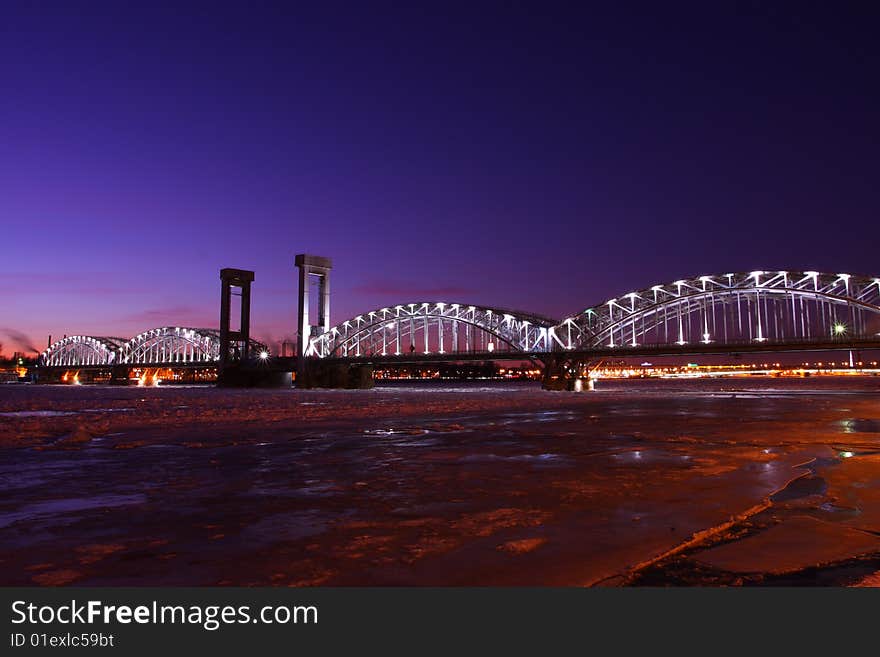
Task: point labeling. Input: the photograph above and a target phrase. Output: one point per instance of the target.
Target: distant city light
(264, 355)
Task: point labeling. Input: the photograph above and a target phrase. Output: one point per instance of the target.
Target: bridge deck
(613, 352)
(288, 364)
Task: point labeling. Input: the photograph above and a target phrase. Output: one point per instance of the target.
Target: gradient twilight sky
(535, 158)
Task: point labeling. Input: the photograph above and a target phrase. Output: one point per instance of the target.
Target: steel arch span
(164, 345)
(171, 345)
(167, 345)
(82, 350)
(434, 326)
(754, 307)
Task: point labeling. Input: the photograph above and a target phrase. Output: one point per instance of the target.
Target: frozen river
(736, 481)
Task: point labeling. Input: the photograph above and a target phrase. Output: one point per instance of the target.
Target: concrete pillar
(239, 340)
(309, 266)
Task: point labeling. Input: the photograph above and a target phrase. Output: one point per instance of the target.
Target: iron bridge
(721, 313)
(742, 312)
(164, 346)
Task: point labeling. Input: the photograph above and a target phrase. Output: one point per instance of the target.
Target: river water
(737, 481)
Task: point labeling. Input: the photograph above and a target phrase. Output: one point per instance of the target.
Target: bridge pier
(563, 373)
(244, 376)
(236, 369)
(311, 267)
(48, 375)
(235, 344)
(315, 373)
(120, 375)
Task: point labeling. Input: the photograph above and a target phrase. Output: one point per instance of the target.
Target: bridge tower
(234, 345)
(312, 267)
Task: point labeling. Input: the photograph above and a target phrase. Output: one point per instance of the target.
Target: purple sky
(544, 162)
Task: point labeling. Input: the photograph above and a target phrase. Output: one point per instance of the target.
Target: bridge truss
(433, 327)
(170, 345)
(161, 346)
(735, 309)
(729, 309)
(82, 350)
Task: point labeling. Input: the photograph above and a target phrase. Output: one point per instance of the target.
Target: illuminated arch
(169, 345)
(425, 326)
(80, 350)
(758, 306)
(172, 344)
(164, 345)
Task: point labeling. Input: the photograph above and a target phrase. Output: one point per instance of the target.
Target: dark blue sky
(524, 157)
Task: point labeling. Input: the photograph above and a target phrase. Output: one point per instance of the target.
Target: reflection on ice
(67, 506)
(37, 413)
(476, 458)
(394, 432)
(860, 426)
